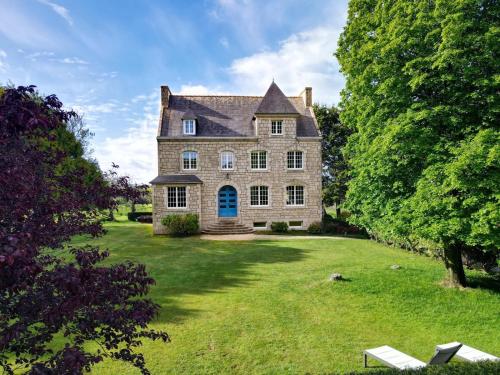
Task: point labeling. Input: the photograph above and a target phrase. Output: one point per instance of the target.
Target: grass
(267, 306)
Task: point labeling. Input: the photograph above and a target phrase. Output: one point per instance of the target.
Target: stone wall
(242, 177)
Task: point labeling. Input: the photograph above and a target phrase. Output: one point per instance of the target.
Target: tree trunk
(132, 207)
(454, 266)
(337, 209)
(111, 215)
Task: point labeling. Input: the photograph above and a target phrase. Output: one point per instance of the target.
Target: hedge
(181, 224)
(279, 227)
(132, 216)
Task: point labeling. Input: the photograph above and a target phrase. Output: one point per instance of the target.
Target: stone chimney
(307, 95)
(165, 96)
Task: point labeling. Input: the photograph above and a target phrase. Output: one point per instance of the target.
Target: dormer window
(277, 127)
(189, 127)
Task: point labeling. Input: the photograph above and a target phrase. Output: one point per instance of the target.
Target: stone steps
(227, 227)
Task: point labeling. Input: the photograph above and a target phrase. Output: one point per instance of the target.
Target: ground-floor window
(259, 196)
(260, 225)
(295, 224)
(294, 195)
(176, 197)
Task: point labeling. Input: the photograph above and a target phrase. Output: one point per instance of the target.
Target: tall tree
(422, 96)
(49, 193)
(335, 169)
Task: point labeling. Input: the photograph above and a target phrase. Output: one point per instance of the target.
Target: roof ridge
(215, 95)
(231, 96)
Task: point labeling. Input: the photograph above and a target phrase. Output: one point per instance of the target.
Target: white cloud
(134, 151)
(59, 9)
(304, 59)
(40, 54)
(3, 61)
(73, 60)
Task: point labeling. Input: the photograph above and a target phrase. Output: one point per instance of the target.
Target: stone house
(239, 162)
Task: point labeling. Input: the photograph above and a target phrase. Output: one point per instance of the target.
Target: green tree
(335, 169)
(422, 81)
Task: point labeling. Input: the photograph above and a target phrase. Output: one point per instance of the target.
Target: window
(259, 225)
(294, 160)
(258, 160)
(176, 197)
(277, 127)
(189, 127)
(294, 195)
(295, 224)
(259, 196)
(189, 159)
(227, 160)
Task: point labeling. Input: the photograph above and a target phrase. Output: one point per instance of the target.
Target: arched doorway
(228, 201)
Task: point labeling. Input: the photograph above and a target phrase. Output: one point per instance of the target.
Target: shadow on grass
(486, 282)
(207, 267)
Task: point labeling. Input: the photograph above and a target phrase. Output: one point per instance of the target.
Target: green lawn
(267, 306)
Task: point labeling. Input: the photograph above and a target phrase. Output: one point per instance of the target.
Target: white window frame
(294, 159)
(275, 126)
(260, 195)
(294, 190)
(226, 157)
(176, 200)
(190, 160)
(259, 159)
(189, 127)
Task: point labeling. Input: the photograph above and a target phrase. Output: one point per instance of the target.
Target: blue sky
(107, 59)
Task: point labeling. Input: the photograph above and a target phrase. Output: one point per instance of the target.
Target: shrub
(132, 216)
(145, 219)
(279, 227)
(466, 368)
(181, 224)
(314, 228)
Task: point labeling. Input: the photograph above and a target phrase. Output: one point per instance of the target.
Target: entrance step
(227, 227)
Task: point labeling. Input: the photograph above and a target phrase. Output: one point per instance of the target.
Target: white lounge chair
(396, 359)
(469, 354)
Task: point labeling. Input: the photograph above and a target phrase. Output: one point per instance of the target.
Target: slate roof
(275, 102)
(176, 179)
(189, 115)
(231, 116)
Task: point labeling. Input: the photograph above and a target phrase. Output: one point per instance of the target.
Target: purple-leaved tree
(54, 298)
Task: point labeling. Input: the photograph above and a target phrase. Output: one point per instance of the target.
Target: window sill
(260, 207)
(259, 170)
(295, 169)
(177, 208)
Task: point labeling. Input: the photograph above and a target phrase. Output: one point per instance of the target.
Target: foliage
(132, 216)
(181, 224)
(335, 168)
(421, 97)
(50, 193)
(143, 196)
(279, 226)
(145, 219)
(315, 228)
(280, 287)
(465, 368)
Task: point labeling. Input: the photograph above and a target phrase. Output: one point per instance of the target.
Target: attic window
(189, 127)
(277, 127)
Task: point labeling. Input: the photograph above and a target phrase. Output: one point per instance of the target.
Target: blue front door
(228, 202)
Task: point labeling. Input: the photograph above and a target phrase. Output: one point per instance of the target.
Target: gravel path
(252, 236)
